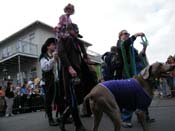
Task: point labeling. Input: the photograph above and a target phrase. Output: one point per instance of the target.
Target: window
(26, 48)
(19, 46)
(9, 50)
(31, 37)
(4, 53)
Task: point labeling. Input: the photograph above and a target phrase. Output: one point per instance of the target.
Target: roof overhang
(13, 60)
(34, 24)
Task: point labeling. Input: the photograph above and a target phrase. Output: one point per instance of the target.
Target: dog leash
(72, 92)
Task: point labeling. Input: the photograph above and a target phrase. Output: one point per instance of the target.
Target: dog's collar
(145, 83)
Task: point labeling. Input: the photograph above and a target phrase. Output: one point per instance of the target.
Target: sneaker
(7, 115)
(127, 124)
(130, 125)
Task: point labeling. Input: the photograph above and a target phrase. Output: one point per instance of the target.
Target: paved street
(163, 110)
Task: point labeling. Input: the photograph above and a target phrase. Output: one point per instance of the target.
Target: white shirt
(31, 84)
(47, 65)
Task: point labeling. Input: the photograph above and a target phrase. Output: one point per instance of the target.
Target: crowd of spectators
(26, 98)
(167, 85)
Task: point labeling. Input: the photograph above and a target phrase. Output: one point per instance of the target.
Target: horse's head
(73, 30)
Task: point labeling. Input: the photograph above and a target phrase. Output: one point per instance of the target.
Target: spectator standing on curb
(171, 79)
(129, 56)
(2, 93)
(2, 101)
(9, 98)
(124, 48)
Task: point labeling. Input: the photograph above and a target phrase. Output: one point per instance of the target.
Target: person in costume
(48, 59)
(76, 78)
(64, 20)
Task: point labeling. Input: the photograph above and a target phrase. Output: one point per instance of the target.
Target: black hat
(47, 43)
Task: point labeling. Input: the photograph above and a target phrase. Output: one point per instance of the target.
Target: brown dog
(134, 94)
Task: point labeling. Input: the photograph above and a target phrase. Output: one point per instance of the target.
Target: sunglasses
(125, 33)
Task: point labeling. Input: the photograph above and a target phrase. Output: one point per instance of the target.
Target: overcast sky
(100, 21)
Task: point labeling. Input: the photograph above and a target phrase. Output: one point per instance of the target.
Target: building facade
(19, 53)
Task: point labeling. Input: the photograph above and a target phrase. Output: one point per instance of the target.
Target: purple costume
(128, 94)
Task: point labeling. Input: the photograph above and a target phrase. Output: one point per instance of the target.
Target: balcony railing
(20, 46)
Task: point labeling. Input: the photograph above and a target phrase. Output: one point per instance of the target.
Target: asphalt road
(163, 110)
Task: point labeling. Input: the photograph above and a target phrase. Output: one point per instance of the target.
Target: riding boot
(78, 124)
(62, 125)
(64, 118)
(50, 119)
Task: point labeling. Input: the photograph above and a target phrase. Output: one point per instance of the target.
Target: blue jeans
(174, 82)
(126, 115)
